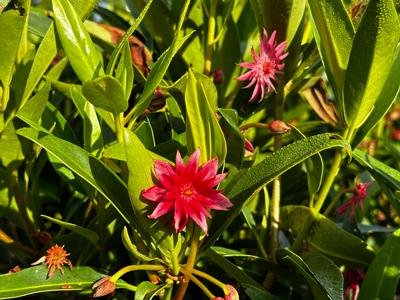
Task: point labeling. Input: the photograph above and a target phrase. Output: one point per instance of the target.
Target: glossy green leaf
(10, 147)
(385, 100)
(140, 165)
(88, 167)
(76, 41)
(158, 21)
(160, 67)
(383, 274)
(296, 15)
(390, 176)
(11, 30)
(34, 108)
(323, 276)
(373, 48)
(34, 280)
(124, 70)
(107, 93)
(249, 182)
(92, 131)
(202, 129)
(147, 290)
(333, 33)
(86, 233)
(327, 238)
(125, 39)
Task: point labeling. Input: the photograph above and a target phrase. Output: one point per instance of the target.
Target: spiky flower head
(55, 258)
(187, 190)
(265, 66)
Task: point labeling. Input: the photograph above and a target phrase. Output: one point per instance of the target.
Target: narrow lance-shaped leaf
(202, 129)
(124, 71)
(76, 41)
(369, 65)
(89, 168)
(249, 182)
(86, 233)
(333, 32)
(385, 100)
(161, 67)
(34, 280)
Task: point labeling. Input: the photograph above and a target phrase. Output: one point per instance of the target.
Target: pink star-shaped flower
(359, 194)
(187, 190)
(265, 66)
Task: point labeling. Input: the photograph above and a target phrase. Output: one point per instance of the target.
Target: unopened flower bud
(396, 135)
(248, 145)
(278, 127)
(233, 294)
(218, 76)
(43, 237)
(103, 287)
(158, 100)
(218, 298)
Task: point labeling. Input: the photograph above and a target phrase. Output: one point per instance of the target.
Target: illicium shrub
(201, 149)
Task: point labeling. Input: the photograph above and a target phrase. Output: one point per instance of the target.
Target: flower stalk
(210, 37)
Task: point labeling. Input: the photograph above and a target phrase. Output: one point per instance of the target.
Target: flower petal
(154, 193)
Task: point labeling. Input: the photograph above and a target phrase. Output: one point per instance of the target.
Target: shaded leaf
(383, 273)
(325, 236)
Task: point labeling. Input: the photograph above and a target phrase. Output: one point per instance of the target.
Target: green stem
(194, 247)
(118, 128)
(253, 125)
(174, 258)
(201, 285)
(335, 200)
(132, 268)
(208, 277)
(334, 170)
(210, 37)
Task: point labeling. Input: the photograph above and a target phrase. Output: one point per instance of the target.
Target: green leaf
(107, 93)
(322, 275)
(202, 129)
(86, 233)
(88, 167)
(390, 176)
(383, 273)
(385, 100)
(231, 269)
(76, 41)
(249, 182)
(160, 67)
(296, 15)
(11, 30)
(125, 39)
(259, 294)
(124, 70)
(327, 238)
(234, 138)
(34, 280)
(147, 290)
(35, 107)
(333, 33)
(140, 165)
(373, 47)
(92, 131)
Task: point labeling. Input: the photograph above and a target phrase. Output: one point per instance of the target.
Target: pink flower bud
(278, 127)
(103, 287)
(218, 76)
(233, 294)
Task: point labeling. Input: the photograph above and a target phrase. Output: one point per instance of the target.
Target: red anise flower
(187, 190)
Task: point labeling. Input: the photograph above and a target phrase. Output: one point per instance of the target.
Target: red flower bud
(278, 127)
(218, 76)
(233, 294)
